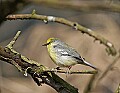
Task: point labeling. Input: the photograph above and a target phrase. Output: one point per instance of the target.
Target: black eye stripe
(48, 43)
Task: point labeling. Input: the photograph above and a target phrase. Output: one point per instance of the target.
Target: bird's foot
(56, 69)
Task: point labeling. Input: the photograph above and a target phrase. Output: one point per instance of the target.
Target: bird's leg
(68, 71)
(69, 67)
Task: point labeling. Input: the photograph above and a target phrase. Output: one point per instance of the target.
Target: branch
(7, 7)
(95, 78)
(110, 66)
(118, 89)
(109, 46)
(91, 83)
(36, 70)
(83, 7)
(74, 72)
(10, 45)
(11, 62)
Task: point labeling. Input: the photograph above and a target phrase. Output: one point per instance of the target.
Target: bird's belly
(65, 61)
(62, 61)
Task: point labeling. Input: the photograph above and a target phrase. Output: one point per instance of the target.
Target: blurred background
(35, 33)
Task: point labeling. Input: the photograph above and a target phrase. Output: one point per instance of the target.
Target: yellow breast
(52, 53)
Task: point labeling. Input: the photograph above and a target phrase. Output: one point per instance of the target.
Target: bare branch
(90, 84)
(74, 72)
(8, 7)
(109, 46)
(118, 89)
(110, 67)
(10, 45)
(11, 62)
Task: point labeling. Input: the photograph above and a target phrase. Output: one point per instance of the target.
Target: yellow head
(50, 41)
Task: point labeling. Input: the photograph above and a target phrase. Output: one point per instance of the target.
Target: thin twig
(73, 72)
(118, 89)
(90, 86)
(109, 46)
(10, 45)
(110, 67)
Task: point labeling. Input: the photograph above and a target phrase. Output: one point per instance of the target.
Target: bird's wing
(65, 50)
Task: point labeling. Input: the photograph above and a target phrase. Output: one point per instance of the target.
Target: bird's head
(50, 41)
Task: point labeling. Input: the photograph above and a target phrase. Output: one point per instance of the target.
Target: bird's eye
(54, 46)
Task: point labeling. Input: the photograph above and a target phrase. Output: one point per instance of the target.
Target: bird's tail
(90, 65)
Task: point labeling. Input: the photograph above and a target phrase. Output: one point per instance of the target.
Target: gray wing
(65, 51)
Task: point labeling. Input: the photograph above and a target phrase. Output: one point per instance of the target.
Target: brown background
(35, 33)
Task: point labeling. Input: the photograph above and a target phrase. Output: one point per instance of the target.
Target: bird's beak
(46, 44)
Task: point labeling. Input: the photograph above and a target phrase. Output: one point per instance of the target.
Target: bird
(63, 55)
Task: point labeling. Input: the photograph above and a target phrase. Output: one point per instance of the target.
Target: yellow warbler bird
(64, 55)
